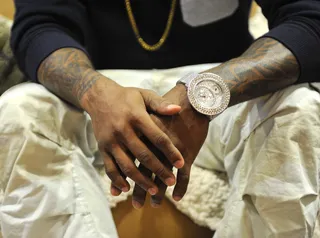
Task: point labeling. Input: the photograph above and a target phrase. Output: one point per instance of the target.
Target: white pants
(269, 147)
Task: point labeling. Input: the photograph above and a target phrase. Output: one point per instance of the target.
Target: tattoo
(267, 66)
(68, 73)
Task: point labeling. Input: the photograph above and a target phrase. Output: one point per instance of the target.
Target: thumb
(159, 104)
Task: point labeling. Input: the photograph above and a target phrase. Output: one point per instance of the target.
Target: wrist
(179, 96)
(187, 110)
(89, 88)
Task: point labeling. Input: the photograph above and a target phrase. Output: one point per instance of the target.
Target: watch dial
(208, 94)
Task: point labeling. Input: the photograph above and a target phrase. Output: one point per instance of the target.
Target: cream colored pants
(269, 147)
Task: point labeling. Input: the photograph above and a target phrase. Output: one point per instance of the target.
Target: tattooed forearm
(68, 73)
(267, 66)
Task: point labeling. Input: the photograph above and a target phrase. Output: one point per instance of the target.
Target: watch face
(208, 94)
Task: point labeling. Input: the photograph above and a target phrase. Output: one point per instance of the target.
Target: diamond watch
(207, 93)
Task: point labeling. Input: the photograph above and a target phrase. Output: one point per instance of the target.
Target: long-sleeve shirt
(101, 28)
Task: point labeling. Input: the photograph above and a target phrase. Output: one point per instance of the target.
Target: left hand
(187, 131)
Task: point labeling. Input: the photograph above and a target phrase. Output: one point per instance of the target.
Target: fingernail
(136, 205)
(179, 164)
(152, 191)
(125, 189)
(155, 205)
(115, 192)
(172, 106)
(170, 181)
(177, 198)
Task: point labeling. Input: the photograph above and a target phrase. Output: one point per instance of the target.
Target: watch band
(187, 79)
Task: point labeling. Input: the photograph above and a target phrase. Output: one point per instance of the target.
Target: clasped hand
(160, 132)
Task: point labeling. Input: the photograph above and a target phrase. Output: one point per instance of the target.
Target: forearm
(266, 67)
(68, 73)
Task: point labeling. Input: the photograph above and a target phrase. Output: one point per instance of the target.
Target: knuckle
(160, 171)
(162, 140)
(148, 92)
(136, 92)
(119, 128)
(136, 117)
(112, 174)
(153, 103)
(155, 119)
(133, 95)
(164, 102)
(128, 171)
(184, 177)
(172, 155)
(144, 157)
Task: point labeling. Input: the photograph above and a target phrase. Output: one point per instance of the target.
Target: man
(266, 140)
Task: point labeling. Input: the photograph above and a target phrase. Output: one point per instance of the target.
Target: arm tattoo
(68, 73)
(266, 67)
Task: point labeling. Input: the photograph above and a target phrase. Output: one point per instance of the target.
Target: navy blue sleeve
(296, 24)
(44, 26)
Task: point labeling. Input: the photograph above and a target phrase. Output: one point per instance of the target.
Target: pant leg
(270, 149)
(48, 186)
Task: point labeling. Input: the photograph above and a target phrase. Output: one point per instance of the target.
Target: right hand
(119, 118)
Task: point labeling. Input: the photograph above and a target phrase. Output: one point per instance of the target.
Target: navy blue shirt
(102, 29)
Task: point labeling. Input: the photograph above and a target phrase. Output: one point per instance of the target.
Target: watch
(207, 93)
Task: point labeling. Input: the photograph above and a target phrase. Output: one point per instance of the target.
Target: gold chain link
(165, 34)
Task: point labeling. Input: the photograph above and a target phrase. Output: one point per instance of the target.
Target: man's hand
(187, 130)
(118, 115)
(119, 118)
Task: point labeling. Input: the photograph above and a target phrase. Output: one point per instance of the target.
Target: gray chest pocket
(201, 12)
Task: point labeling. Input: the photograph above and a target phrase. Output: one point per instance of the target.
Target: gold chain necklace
(165, 34)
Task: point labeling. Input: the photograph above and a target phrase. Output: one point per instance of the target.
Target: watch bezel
(218, 80)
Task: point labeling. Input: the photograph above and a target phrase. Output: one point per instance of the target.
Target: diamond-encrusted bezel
(192, 85)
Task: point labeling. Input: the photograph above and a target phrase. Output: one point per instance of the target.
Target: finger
(130, 170)
(150, 161)
(114, 174)
(159, 104)
(156, 200)
(160, 140)
(113, 189)
(181, 187)
(139, 195)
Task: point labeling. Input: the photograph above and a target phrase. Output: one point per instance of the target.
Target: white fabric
(48, 185)
(269, 148)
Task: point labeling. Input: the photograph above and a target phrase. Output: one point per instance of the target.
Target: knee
(25, 105)
(300, 103)
(290, 115)
(283, 217)
(30, 107)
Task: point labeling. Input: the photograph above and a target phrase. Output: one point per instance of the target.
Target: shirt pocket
(202, 12)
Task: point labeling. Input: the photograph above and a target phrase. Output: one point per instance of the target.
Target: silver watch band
(187, 79)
